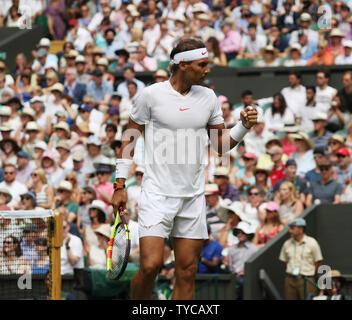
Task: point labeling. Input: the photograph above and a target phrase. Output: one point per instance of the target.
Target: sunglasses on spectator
(324, 168)
(27, 198)
(341, 156)
(254, 193)
(9, 172)
(260, 172)
(8, 242)
(60, 191)
(101, 173)
(246, 159)
(317, 155)
(139, 174)
(34, 174)
(333, 142)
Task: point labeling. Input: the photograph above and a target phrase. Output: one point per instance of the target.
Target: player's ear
(182, 65)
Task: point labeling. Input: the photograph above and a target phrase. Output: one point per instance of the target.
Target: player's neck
(180, 84)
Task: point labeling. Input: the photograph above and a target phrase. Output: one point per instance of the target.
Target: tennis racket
(119, 247)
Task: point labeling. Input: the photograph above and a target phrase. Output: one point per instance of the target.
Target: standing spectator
(211, 255)
(295, 94)
(231, 44)
(226, 189)
(324, 93)
(326, 190)
(290, 205)
(302, 257)
(345, 93)
(56, 10)
(304, 153)
(271, 227)
(278, 114)
(240, 253)
(71, 251)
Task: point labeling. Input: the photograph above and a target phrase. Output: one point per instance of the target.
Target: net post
(55, 247)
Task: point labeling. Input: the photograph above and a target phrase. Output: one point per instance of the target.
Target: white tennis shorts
(162, 216)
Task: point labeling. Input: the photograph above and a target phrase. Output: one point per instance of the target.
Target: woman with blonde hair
(290, 206)
(271, 227)
(76, 194)
(43, 191)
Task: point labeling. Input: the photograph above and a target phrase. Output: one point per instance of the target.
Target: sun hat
(303, 136)
(48, 154)
(94, 140)
(78, 156)
(318, 115)
(7, 193)
(250, 155)
(271, 138)
(211, 188)
(275, 150)
(64, 144)
(226, 206)
(98, 204)
(245, 227)
(28, 111)
(221, 172)
(5, 111)
(337, 137)
(57, 87)
(41, 145)
(65, 185)
(298, 222)
(32, 126)
(104, 229)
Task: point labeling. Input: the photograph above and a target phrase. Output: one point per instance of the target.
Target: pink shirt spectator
(149, 62)
(107, 188)
(231, 42)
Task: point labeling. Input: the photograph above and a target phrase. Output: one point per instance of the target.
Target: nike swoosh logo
(184, 109)
(203, 53)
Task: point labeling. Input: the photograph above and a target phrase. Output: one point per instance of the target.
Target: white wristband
(123, 168)
(238, 132)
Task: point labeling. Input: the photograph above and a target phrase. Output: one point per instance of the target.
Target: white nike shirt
(175, 137)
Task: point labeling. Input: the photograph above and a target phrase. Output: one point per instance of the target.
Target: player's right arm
(131, 134)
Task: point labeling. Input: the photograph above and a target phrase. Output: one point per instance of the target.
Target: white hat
(318, 115)
(5, 111)
(36, 99)
(226, 206)
(140, 169)
(65, 185)
(211, 188)
(203, 16)
(32, 126)
(104, 161)
(104, 229)
(296, 46)
(44, 42)
(72, 53)
(51, 64)
(78, 156)
(347, 43)
(5, 127)
(29, 111)
(336, 32)
(198, 7)
(57, 86)
(41, 145)
(103, 62)
(221, 171)
(97, 204)
(81, 59)
(64, 144)
(305, 16)
(62, 125)
(245, 227)
(94, 140)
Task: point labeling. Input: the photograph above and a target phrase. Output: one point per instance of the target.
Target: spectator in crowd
(288, 20)
(269, 58)
(54, 174)
(44, 192)
(71, 251)
(320, 154)
(63, 201)
(5, 198)
(245, 177)
(9, 149)
(129, 75)
(298, 264)
(322, 57)
(295, 93)
(210, 256)
(305, 20)
(325, 94)
(345, 57)
(295, 58)
(97, 255)
(262, 178)
(100, 90)
(344, 168)
(12, 261)
(304, 153)
(226, 189)
(231, 43)
(335, 143)
(217, 56)
(73, 88)
(333, 287)
(345, 93)
(240, 253)
(40, 265)
(290, 205)
(278, 170)
(326, 190)
(254, 206)
(252, 44)
(24, 169)
(300, 184)
(335, 47)
(271, 227)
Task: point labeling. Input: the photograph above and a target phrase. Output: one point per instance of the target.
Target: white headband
(190, 55)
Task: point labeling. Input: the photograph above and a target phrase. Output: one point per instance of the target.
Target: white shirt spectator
(255, 143)
(292, 63)
(324, 97)
(133, 225)
(305, 113)
(157, 52)
(342, 59)
(276, 121)
(16, 189)
(253, 46)
(294, 97)
(81, 38)
(151, 34)
(35, 5)
(173, 14)
(312, 36)
(76, 248)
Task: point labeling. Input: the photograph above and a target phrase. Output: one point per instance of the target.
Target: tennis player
(178, 114)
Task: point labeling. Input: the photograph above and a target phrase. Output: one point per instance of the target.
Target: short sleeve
(218, 251)
(339, 188)
(283, 256)
(316, 251)
(140, 112)
(216, 114)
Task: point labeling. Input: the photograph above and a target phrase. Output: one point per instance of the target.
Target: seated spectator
(226, 190)
(320, 154)
(271, 227)
(8, 152)
(128, 102)
(71, 251)
(44, 192)
(11, 258)
(278, 170)
(320, 135)
(332, 288)
(229, 120)
(305, 21)
(76, 194)
(211, 255)
(240, 253)
(65, 160)
(290, 205)
(30, 234)
(326, 190)
(134, 191)
(278, 114)
(143, 62)
(216, 55)
(262, 178)
(83, 218)
(335, 143)
(24, 169)
(5, 198)
(28, 201)
(288, 146)
(54, 174)
(100, 90)
(231, 43)
(73, 88)
(40, 265)
(346, 56)
(245, 177)
(277, 40)
(269, 56)
(63, 201)
(10, 183)
(344, 168)
(252, 44)
(336, 47)
(288, 20)
(294, 52)
(304, 153)
(97, 255)
(254, 206)
(323, 57)
(300, 184)
(94, 155)
(129, 75)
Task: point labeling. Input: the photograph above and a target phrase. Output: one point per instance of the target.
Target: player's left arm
(223, 140)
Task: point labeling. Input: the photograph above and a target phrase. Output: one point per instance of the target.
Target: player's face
(197, 71)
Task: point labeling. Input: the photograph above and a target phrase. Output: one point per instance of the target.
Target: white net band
(18, 214)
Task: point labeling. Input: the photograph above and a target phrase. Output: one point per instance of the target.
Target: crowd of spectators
(63, 116)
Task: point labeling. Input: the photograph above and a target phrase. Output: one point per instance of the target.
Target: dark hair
(111, 126)
(311, 88)
(101, 216)
(110, 30)
(325, 72)
(18, 250)
(282, 107)
(260, 190)
(128, 68)
(215, 44)
(246, 93)
(131, 82)
(252, 25)
(296, 73)
(185, 45)
(41, 242)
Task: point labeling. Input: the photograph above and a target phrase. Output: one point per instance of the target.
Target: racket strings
(119, 251)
